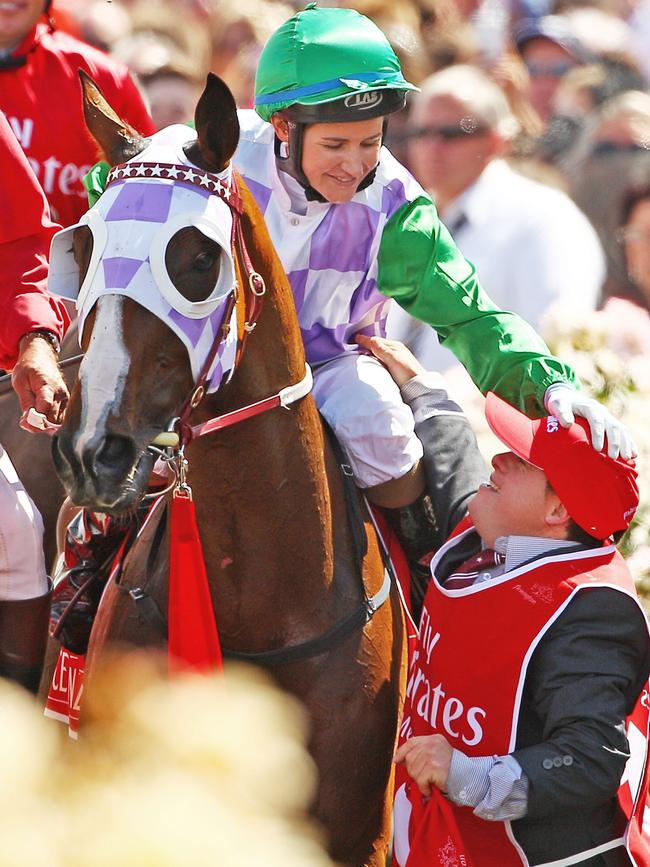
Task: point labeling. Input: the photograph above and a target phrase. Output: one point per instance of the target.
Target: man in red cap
(524, 737)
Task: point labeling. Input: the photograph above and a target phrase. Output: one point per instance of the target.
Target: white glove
(565, 403)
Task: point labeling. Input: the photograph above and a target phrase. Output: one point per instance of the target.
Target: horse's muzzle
(108, 474)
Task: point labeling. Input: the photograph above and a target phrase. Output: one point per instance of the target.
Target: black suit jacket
(583, 679)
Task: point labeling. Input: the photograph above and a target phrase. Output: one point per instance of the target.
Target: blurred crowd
(532, 130)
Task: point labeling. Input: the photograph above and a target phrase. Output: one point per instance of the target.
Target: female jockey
(32, 324)
(353, 229)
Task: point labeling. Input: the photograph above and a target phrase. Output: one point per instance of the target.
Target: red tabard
(25, 233)
(42, 102)
(448, 693)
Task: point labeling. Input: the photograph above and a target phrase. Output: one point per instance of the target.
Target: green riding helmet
(320, 56)
(327, 65)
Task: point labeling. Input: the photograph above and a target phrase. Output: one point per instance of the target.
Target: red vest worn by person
(25, 233)
(448, 693)
(42, 102)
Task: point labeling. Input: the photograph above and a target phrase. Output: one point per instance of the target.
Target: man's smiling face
(515, 502)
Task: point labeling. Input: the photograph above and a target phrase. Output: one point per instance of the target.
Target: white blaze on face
(103, 371)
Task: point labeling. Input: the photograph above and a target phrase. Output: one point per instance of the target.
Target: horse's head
(151, 265)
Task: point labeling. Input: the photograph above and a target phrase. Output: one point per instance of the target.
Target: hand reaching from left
(37, 378)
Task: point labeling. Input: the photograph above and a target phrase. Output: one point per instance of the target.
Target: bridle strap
(185, 433)
(284, 398)
(181, 174)
(248, 306)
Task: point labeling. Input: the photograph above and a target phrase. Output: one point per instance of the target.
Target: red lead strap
(193, 635)
(193, 638)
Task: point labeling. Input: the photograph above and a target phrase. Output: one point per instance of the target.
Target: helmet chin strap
(292, 163)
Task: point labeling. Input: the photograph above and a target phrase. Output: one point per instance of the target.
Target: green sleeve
(95, 181)
(420, 267)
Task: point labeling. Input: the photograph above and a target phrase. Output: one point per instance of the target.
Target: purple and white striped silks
(328, 251)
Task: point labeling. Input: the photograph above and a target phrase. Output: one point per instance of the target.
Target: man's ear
(281, 127)
(556, 512)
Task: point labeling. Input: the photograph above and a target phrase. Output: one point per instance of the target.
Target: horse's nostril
(65, 461)
(61, 461)
(115, 452)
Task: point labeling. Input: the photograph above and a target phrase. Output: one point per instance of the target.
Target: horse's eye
(204, 261)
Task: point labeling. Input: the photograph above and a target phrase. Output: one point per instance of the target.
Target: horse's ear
(217, 126)
(117, 139)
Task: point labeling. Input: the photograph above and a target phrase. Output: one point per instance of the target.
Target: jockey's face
(336, 157)
(17, 17)
(518, 501)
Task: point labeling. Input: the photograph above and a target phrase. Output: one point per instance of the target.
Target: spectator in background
(613, 70)
(549, 49)
(530, 243)
(612, 155)
(586, 88)
(239, 33)
(172, 92)
(41, 97)
(635, 238)
(171, 80)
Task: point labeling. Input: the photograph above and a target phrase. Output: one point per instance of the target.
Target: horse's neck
(263, 486)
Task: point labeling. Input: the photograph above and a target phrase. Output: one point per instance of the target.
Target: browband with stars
(181, 174)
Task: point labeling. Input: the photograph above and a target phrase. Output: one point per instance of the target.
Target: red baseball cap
(601, 494)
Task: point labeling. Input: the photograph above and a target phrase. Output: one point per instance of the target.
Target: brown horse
(281, 559)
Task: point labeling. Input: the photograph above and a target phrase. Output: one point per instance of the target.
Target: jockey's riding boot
(416, 528)
(23, 639)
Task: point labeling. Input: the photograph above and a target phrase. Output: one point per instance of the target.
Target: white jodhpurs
(22, 565)
(362, 404)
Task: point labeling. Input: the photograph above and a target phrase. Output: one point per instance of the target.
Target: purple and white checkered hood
(132, 224)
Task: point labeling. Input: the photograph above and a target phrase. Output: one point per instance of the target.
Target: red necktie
(468, 572)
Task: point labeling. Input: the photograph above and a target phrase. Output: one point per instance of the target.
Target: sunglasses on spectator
(451, 132)
(606, 148)
(549, 70)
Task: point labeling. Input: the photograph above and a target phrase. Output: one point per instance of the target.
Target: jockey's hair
(482, 97)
